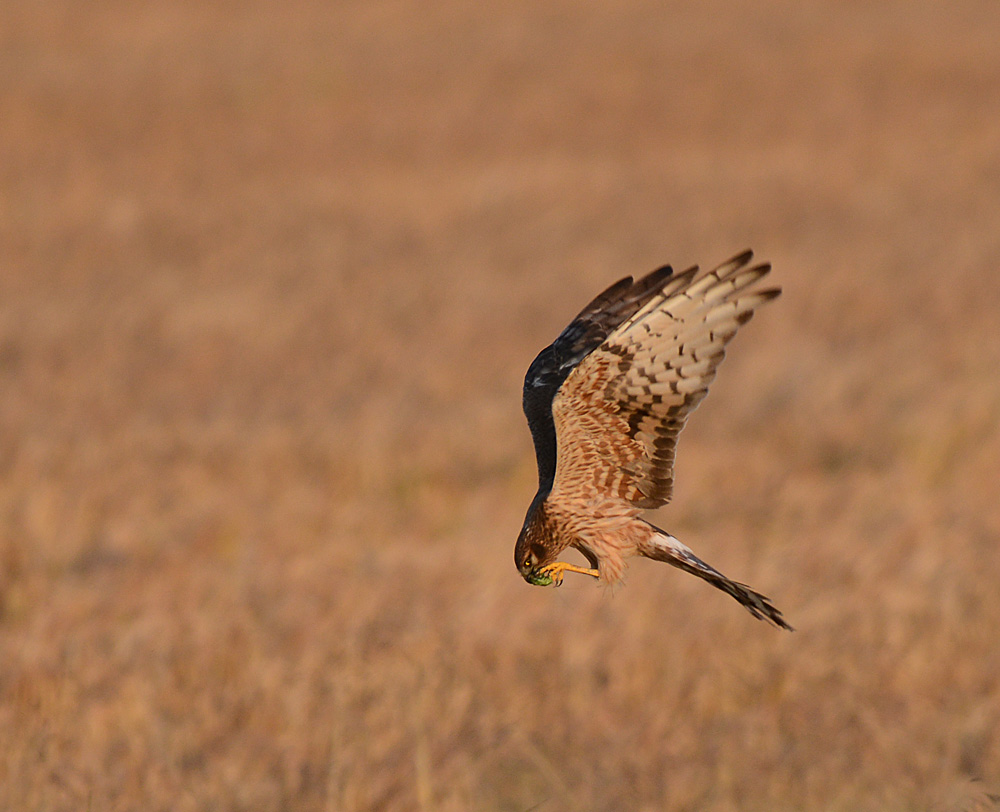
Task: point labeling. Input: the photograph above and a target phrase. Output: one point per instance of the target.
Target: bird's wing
(592, 326)
(618, 413)
(581, 337)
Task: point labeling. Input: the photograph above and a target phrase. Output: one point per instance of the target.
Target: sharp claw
(558, 569)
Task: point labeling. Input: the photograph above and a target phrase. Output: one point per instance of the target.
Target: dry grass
(270, 280)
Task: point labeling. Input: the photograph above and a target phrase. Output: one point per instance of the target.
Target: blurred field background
(270, 276)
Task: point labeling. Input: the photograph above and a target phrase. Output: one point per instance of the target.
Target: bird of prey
(605, 403)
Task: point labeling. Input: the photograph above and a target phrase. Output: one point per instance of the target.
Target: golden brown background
(271, 276)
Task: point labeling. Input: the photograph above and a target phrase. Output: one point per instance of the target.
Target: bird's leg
(558, 569)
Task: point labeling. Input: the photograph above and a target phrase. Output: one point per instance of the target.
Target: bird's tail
(664, 547)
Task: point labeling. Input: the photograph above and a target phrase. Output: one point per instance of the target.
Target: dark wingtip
(609, 294)
(649, 284)
(661, 274)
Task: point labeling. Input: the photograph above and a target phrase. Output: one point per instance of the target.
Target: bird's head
(530, 555)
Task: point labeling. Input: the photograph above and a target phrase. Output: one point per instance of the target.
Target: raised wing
(618, 413)
(584, 334)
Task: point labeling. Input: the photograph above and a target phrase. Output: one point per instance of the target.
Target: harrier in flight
(605, 403)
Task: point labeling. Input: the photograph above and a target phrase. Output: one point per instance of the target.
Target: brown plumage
(605, 403)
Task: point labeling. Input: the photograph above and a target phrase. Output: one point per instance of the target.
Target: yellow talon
(558, 569)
